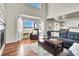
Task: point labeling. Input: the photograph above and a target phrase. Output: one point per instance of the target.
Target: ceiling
(59, 9)
(67, 16)
(72, 15)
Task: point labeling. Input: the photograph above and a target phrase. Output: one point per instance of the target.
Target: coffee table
(57, 45)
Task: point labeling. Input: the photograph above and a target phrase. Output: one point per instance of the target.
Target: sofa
(49, 34)
(68, 37)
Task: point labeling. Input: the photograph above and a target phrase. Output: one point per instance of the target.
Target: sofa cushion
(72, 41)
(63, 34)
(68, 42)
(73, 35)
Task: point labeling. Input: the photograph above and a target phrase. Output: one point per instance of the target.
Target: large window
(36, 5)
(28, 23)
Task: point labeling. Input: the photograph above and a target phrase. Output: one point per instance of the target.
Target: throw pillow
(75, 49)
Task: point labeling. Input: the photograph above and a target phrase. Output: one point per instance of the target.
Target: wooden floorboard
(12, 49)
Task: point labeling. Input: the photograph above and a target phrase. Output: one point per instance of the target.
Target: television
(28, 23)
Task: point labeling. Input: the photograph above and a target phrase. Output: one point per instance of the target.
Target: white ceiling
(58, 9)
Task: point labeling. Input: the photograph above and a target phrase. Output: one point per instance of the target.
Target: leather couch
(68, 37)
(49, 34)
(34, 35)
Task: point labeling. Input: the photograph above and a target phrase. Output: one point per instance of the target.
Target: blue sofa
(69, 38)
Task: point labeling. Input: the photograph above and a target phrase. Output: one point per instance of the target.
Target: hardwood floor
(24, 41)
(16, 49)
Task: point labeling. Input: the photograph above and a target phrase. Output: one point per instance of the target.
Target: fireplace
(2, 34)
(1, 38)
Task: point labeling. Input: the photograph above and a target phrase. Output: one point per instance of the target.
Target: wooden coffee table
(57, 45)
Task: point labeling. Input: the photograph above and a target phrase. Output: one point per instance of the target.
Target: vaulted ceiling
(59, 9)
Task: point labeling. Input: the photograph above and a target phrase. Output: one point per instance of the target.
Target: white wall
(72, 22)
(13, 9)
(49, 25)
(58, 9)
(52, 25)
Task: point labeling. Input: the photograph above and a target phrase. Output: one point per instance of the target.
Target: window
(28, 23)
(36, 5)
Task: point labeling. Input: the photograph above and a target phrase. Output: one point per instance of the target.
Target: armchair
(34, 35)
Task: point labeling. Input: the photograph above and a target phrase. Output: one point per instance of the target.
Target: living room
(21, 20)
(61, 29)
(53, 28)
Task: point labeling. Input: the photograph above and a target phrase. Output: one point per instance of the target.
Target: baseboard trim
(12, 42)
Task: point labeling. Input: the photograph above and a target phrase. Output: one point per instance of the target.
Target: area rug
(36, 50)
